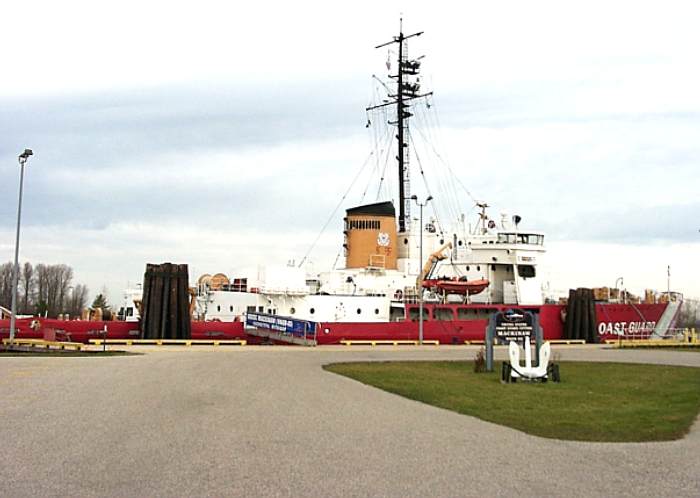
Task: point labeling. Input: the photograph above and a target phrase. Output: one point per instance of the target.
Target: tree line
(45, 290)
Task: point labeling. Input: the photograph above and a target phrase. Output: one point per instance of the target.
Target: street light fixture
(420, 269)
(23, 157)
(619, 295)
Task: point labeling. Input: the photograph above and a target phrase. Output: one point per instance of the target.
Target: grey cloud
(94, 133)
(100, 129)
(642, 225)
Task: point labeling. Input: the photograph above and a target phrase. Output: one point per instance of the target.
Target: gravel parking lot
(268, 421)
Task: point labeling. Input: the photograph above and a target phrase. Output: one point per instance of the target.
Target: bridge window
(466, 314)
(526, 271)
(414, 314)
(444, 314)
(507, 238)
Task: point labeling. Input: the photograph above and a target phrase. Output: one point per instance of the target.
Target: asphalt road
(260, 421)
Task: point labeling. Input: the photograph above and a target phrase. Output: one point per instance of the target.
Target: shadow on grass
(610, 402)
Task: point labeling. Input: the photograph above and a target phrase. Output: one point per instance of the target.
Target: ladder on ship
(668, 319)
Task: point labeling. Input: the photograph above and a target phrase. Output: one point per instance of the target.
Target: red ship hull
(455, 324)
(83, 331)
(612, 321)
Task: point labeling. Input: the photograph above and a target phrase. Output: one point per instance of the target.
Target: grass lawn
(594, 401)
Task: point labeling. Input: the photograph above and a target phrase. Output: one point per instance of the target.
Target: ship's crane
(431, 263)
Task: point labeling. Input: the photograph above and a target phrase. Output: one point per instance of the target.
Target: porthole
(459, 243)
(292, 311)
(467, 267)
(405, 241)
(218, 308)
(376, 311)
(442, 241)
(359, 311)
(230, 308)
(312, 311)
(478, 268)
(326, 331)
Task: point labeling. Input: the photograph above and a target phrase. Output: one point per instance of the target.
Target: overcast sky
(224, 135)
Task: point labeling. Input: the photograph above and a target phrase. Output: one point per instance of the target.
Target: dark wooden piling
(593, 321)
(570, 315)
(166, 302)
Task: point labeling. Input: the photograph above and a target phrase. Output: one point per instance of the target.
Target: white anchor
(528, 371)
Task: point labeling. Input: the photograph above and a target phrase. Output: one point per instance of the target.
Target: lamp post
(619, 279)
(420, 256)
(15, 274)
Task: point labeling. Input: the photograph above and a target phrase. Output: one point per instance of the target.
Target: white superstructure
(504, 255)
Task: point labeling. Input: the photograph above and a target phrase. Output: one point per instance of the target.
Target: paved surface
(259, 421)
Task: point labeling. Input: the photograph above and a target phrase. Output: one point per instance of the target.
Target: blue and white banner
(281, 324)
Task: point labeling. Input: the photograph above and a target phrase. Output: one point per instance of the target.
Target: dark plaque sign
(511, 325)
(514, 324)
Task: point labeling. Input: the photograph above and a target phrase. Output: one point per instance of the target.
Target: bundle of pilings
(580, 316)
(166, 308)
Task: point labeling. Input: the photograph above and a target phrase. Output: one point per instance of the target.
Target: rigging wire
(386, 163)
(451, 203)
(386, 141)
(450, 170)
(330, 218)
(437, 118)
(425, 179)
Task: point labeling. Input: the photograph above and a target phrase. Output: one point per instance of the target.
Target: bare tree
(45, 289)
(42, 285)
(58, 280)
(689, 316)
(6, 285)
(64, 279)
(27, 278)
(77, 301)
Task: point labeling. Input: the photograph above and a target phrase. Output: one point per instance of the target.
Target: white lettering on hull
(622, 328)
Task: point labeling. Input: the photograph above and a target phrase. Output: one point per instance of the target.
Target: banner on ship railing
(281, 324)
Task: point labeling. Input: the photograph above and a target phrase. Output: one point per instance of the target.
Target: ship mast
(406, 91)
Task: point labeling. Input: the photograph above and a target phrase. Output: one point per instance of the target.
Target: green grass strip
(594, 402)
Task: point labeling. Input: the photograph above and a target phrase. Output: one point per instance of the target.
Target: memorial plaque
(513, 324)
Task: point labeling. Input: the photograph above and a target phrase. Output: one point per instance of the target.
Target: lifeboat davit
(457, 286)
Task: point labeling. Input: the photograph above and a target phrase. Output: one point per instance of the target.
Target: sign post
(512, 325)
